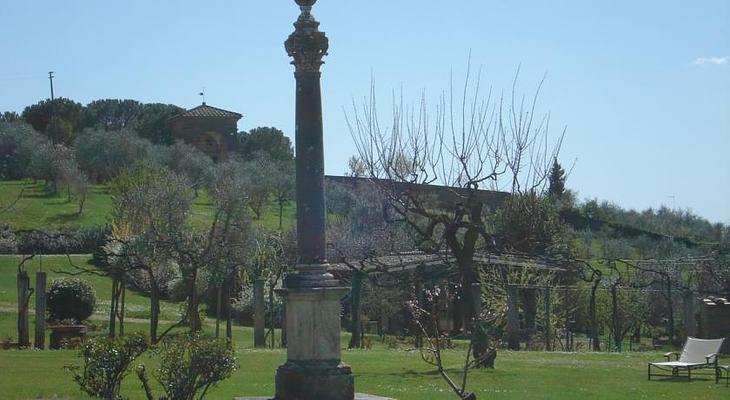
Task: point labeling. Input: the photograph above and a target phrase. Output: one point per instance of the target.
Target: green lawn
(397, 373)
(38, 209)
(137, 305)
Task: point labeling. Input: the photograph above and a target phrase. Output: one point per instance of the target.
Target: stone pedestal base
(313, 370)
(358, 396)
(312, 380)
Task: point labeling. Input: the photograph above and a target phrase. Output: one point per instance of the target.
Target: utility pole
(52, 123)
(50, 78)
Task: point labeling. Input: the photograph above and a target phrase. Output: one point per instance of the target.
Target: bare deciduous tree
(472, 141)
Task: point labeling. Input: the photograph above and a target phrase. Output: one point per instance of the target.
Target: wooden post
(548, 346)
(40, 310)
(513, 318)
(23, 300)
(259, 317)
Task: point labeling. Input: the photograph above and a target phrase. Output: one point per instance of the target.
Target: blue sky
(643, 87)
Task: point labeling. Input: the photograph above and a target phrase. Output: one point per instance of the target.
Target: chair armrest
(669, 355)
(709, 356)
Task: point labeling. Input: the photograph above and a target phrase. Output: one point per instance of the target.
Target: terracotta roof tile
(205, 111)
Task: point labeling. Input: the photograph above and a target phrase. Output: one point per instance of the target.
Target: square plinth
(358, 396)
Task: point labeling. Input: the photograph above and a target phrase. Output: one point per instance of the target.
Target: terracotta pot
(8, 345)
(62, 334)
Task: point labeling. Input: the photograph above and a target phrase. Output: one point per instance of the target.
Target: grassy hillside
(38, 209)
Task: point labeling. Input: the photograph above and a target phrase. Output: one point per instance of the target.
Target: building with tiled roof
(210, 129)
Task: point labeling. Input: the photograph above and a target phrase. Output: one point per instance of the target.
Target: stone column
(513, 317)
(313, 369)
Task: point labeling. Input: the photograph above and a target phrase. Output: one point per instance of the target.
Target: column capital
(307, 45)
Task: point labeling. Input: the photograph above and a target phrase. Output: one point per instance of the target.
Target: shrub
(190, 364)
(87, 240)
(70, 298)
(105, 364)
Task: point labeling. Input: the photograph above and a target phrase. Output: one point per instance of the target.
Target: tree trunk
(40, 310)
(218, 299)
(229, 312)
(194, 321)
(154, 312)
(121, 308)
(356, 291)
(113, 307)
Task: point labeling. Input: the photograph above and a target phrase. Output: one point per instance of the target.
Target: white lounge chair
(696, 354)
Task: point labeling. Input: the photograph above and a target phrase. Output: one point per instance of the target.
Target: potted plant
(70, 301)
(8, 343)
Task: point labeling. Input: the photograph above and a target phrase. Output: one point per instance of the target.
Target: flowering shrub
(190, 366)
(106, 362)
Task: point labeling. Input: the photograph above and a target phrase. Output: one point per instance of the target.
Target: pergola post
(513, 317)
(529, 305)
(40, 310)
(548, 344)
(690, 323)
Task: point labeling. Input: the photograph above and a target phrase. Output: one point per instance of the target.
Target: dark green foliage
(68, 118)
(106, 362)
(529, 223)
(9, 116)
(70, 298)
(112, 114)
(190, 366)
(151, 122)
(269, 140)
(556, 180)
